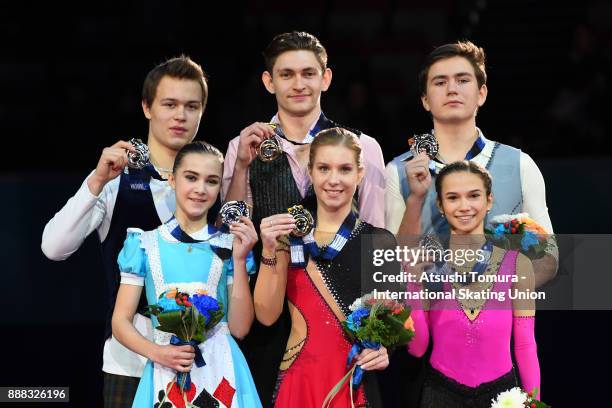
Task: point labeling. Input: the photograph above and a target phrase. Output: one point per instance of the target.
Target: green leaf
(349, 333)
(403, 315)
(152, 310)
(396, 327)
(171, 322)
(215, 318)
(200, 329)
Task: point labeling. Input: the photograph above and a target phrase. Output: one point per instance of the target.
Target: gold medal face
(304, 222)
(269, 150)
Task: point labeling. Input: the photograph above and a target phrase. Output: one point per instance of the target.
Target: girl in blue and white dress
(187, 254)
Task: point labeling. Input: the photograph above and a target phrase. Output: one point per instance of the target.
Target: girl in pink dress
(471, 331)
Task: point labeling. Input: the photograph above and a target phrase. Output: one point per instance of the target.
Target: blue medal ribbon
(185, 378)
(322, 124)
(303, 248)
(357, 348)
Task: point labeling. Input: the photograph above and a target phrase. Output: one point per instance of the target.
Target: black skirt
(440, 391)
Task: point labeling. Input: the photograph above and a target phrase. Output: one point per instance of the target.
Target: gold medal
(270, 149)
(304, 222)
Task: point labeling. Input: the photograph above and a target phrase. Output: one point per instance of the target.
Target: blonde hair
(336, 137)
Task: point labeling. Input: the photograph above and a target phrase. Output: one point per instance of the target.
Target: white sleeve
(395, 206)
(534, 195)
(79, 217)
(534, 192)
(131, 279)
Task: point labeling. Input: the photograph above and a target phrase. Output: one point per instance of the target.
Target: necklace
(160, 169)
(177, 232)
(481, 286)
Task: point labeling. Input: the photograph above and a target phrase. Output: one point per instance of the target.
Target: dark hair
(467, 167)
(181, 67)
(196, 147)
(336, 136)
(294, 41)
(466, 49)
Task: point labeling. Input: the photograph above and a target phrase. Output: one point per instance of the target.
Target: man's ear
(482, 95)
(327, 78)
(266, 78)
(146, 109)
(425, 102)
(171, 181)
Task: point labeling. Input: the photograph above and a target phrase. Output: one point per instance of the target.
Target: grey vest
(504, 167)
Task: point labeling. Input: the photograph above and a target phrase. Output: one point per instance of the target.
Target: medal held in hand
(424, 143)
(303, 220)
(270, 149)
(140, 157)
(430, 243)
(232, 211)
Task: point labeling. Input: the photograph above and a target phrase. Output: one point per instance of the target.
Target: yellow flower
(531, 225)
(409, 323)
(171, 294)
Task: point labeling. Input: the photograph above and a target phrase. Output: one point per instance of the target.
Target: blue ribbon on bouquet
(199, 360)
(357, 348)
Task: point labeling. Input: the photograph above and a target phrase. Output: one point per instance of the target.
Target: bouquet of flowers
(372, 323)
(520, 232)
(517, 398)
(188, 319)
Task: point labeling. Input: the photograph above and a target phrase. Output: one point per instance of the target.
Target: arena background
(70, 82)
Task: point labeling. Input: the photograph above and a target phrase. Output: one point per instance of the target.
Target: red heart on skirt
(175, 394)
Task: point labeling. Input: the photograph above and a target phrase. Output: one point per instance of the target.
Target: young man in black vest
(114, 197)
(296, 74)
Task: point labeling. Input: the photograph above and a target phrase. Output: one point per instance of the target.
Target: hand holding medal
(139, 157)
(431, 260)
(110, 165)
(417, 165)
(270, 149)
(249, 142)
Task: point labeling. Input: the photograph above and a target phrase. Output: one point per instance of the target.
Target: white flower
(355, 305)
(359, 303)
(503, 218)
(514, 398)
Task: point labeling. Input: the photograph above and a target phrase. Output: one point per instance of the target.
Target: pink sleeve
(228, 170)
(418, 345)
(372, 187)
(228, 166)
(525, 352)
